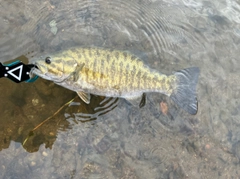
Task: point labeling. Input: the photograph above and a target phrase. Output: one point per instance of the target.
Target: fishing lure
(17, 72)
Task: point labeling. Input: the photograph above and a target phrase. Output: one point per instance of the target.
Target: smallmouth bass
(114, 73)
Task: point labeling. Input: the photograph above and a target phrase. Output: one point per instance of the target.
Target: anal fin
(143, 100)
(139, 100)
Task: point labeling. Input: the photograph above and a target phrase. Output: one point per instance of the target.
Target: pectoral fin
(75, 74)
(84, 96)
(77, 71)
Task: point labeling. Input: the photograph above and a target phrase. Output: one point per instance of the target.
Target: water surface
(122, 141)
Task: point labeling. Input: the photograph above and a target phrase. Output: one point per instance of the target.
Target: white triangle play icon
(14, 75)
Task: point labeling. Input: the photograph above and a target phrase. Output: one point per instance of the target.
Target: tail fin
(184, 95)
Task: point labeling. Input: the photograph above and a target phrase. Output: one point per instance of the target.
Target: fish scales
(121, 77)
(81, 57)
(113, 73)
(134, 82)
(95, 68)
(89, 66)
(116, 70)
(99, 65)
(117, 74)
(120, 67)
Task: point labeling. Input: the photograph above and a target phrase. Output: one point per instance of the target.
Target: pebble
(44, 154)
(33, 163)
(35, 102)
(52, 23)
(54, 30)
(51, 133)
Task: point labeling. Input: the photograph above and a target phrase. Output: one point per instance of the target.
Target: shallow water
(122, 141)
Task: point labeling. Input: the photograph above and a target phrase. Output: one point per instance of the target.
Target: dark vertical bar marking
(117, 55)
(113, 72)
(108, 58)
(120, 73)
(139, 80)
(101, 70)
(133, 78)
(94, 68)
(127, 77)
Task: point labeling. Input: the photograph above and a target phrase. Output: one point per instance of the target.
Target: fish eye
(48, 60)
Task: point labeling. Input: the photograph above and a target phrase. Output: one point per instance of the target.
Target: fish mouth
(37, 70)
(42, 72)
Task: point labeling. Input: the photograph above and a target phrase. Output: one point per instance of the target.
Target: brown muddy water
(110, 138)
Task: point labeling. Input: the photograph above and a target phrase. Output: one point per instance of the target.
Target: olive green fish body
(113, 73)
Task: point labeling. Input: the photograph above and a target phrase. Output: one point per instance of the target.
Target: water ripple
(122, 24)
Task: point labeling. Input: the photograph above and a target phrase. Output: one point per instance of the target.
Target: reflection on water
(46, 131)
(156, 141)
(98, 106)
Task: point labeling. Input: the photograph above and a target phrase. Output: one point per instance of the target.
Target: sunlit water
(110, 138)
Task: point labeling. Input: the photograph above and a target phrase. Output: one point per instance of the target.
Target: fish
(115, 73)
